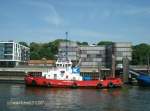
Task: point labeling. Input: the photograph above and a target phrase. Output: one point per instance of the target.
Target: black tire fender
(49, 85)
(111, 85)
(74, 85)
(99, 85)
(34, 83)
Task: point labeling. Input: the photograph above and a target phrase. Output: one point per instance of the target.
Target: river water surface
(18, 97)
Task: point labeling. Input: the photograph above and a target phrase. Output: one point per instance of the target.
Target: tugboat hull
(41, 81)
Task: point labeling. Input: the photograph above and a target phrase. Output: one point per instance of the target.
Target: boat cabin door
(55, 76)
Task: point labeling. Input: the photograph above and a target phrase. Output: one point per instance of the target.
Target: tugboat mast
(66, 46)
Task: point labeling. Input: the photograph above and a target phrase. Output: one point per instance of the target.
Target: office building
(13, 54)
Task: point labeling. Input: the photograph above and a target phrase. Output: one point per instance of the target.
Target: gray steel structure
(72, 50)
(93, 56)
(122, 50)
(96, 61)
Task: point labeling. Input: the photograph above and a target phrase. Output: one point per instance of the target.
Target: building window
(98, 55)
(119, 54)
(8, 57)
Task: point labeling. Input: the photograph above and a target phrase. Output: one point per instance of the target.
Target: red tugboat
(63, 75)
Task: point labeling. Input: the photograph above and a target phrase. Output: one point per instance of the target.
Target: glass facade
(13, 53)
(8, 48)
(2, 51)
(6, 51)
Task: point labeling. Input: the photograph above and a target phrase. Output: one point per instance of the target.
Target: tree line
(38, 51)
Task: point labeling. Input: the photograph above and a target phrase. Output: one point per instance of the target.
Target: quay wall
(16, 75)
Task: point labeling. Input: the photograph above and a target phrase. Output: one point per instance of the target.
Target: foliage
(140, 54)
(105, 43)
(34, 56)
(82, 43)
(44, 50)
(49, 50)
(24, 43)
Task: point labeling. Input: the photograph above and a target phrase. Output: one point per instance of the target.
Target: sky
(84, 20)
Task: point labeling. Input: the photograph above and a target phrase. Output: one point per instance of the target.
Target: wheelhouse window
(62, 73)
(55, 76)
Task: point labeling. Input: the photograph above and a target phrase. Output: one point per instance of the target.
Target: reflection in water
(113, 92)
(120, 99)
(73, 98)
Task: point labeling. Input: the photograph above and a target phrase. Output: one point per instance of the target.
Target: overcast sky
(84, 20)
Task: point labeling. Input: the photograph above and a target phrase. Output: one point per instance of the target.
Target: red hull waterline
(41, 81)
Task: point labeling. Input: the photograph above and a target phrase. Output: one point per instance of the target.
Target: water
(18, 97)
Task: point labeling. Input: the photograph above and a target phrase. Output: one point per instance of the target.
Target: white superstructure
(63, 71)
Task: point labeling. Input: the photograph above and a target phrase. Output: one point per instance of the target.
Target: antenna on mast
(66, 45)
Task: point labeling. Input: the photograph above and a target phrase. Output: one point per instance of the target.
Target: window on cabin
(74, 78)
(66, 77)
(62, 73)
(55, 76)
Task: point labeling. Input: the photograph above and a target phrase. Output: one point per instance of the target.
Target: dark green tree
(82, 43)
(140, 54)
(34, 46)
(55, 44)
(105, 43)
(24, 44)
(34, 56)
(44, 50)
